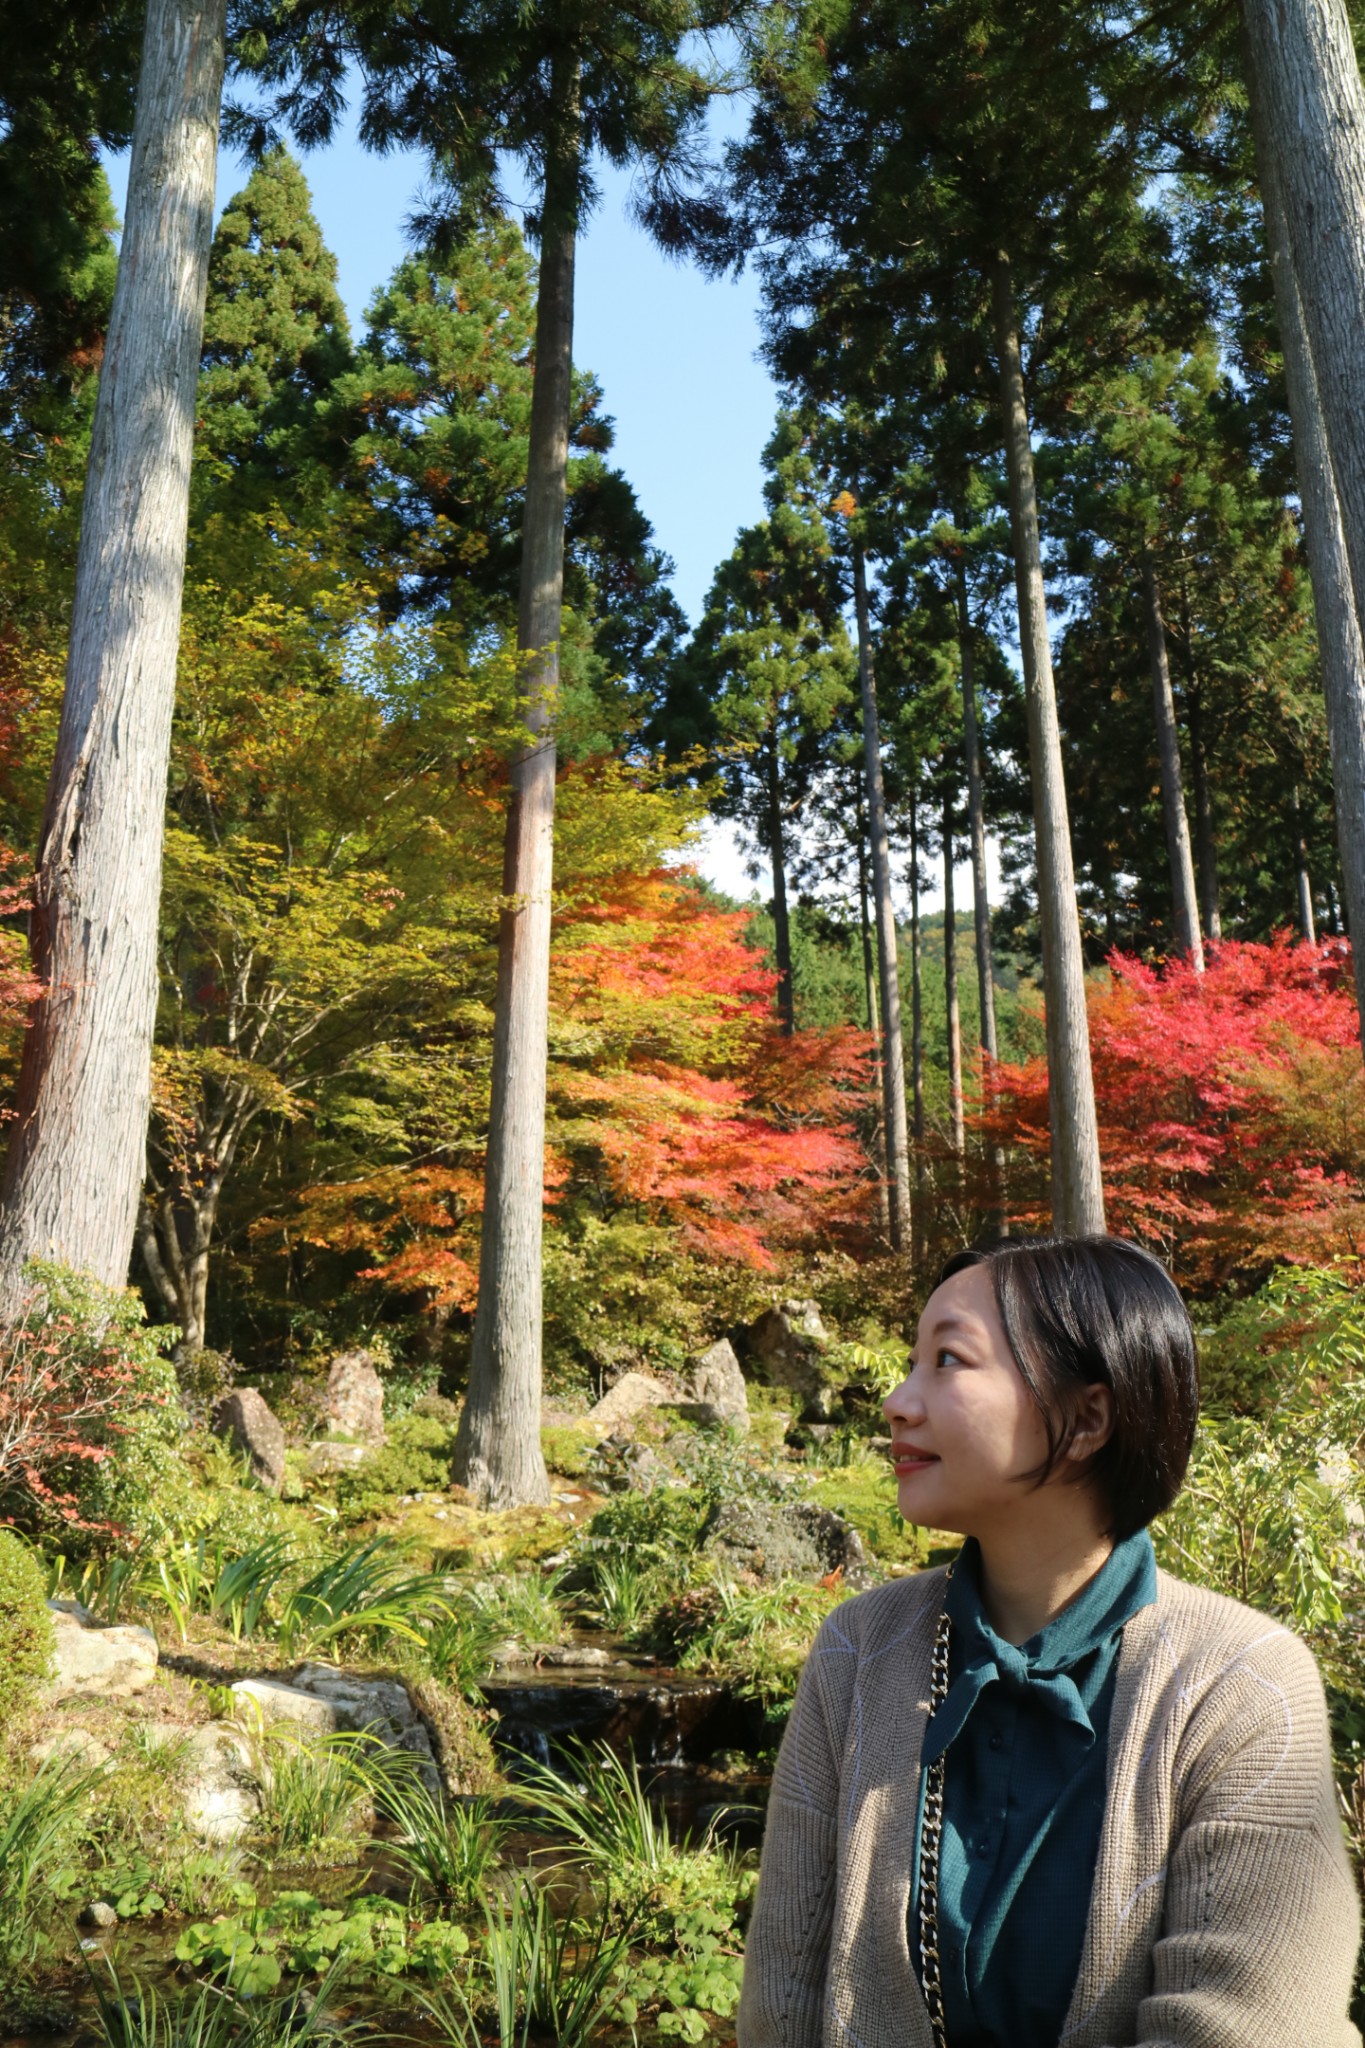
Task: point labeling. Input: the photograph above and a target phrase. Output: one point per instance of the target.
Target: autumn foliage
(673, 1099)
(1231, 1108)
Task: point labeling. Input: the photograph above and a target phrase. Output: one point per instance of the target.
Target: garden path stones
(717, 1382)
(244, 1417)
(354, 1401)
(113, 1662)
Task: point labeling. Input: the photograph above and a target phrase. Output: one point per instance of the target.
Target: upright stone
(717, 1380)
(355, 1397)
(244, 1417)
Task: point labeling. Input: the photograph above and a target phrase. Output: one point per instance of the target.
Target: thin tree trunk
(916, 1025)
(976, 822)
(1184, 897)
(888, 971)
(1205, 835)
(1309, 104)
(73, 1175)
(1339, 639)
(1307, 923)
(870, 995)
(956, 1119)
(497, 1452)
(782, 931)
(1077, 1185)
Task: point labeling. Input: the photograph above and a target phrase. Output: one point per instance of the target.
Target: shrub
(25, 1626)
(416, 1459)
(90, 1417)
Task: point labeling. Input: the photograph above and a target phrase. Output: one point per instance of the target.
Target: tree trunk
(916, 1024)
(1184, 898)
(73, 1175)
(1307, 923)
(865, 927)
(1077, 1186)
(1309, 104)
(976, 821)
(870, 996)
(954, 1021)
(1339, 638)
(782, 930)
(894, 1129)
(1205, 836)
(497, 1452)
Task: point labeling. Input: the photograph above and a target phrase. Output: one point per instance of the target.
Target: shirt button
(983, 1847)
(997, 1739)
(954, 1955)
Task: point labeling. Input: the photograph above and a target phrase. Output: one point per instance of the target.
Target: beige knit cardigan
(1223, 1914)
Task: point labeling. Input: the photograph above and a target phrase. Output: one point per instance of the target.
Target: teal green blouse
(1025, 1734)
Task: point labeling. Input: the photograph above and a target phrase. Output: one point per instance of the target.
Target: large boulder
(633, 1393)
(784, 1346)
(354, 1401)
(716, 1382)
(245, 1418)
(771, 1540)
(377, 1706)
(112, 1662)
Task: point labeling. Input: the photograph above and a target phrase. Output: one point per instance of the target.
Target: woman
(1051, 1795)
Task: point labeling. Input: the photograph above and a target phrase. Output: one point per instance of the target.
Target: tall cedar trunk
(1310, 119)
(1205, 835)
(1077, 1187)
(894, 1130)
(870, 996)
(1339, 640)
(916, 1024)
(1303, 880)
(951, 1008)
(1184, 898)
(74, 1171)
(497, 1452)
(976, 823)
(782, 931)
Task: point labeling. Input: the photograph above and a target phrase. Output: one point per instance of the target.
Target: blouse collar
(1046, 1663)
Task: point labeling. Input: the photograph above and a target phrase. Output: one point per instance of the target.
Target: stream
(692, 1739)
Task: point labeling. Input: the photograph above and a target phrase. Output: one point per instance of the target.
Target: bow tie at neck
(1048, 1666)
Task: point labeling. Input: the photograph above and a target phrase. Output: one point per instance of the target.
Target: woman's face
(965, 1432)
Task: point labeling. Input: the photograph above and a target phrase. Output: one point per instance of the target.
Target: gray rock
(98, 1914)
(75, 1742)
(324, 1457)
(112, 1662)
(354, 1401)
(632, 1394)
(221, 1796)
(270, 1700)
(769, 1540)
(245, 1418)
(784, 1346)
(717, 1381)
(621, 1466)
(377, 1706)
(571, 1656)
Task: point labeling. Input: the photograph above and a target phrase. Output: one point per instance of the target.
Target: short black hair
(1082, 1311)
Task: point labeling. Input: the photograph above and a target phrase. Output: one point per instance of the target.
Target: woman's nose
(903, 1403)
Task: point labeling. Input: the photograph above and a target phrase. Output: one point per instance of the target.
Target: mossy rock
(26, 1636)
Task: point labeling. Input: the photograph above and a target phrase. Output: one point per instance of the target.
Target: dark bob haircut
(1086, 1311)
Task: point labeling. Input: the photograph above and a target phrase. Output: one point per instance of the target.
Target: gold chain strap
(931, 1840)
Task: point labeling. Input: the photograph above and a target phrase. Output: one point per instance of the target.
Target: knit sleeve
(787, 1951)
(1261, 1921)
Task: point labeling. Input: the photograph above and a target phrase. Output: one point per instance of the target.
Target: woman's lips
(906, 1461)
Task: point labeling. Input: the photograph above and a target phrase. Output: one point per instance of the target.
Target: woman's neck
(1029, 1576)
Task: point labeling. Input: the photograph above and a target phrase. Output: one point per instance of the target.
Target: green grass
(865, 1495)
(449, 1850)
(543, 1978)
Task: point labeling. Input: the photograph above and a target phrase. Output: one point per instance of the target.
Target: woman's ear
(1094, 1422)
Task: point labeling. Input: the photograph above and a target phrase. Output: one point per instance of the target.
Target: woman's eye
(951, 1358)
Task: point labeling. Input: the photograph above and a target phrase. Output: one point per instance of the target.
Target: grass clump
(758, 1638)
(26, 1635)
